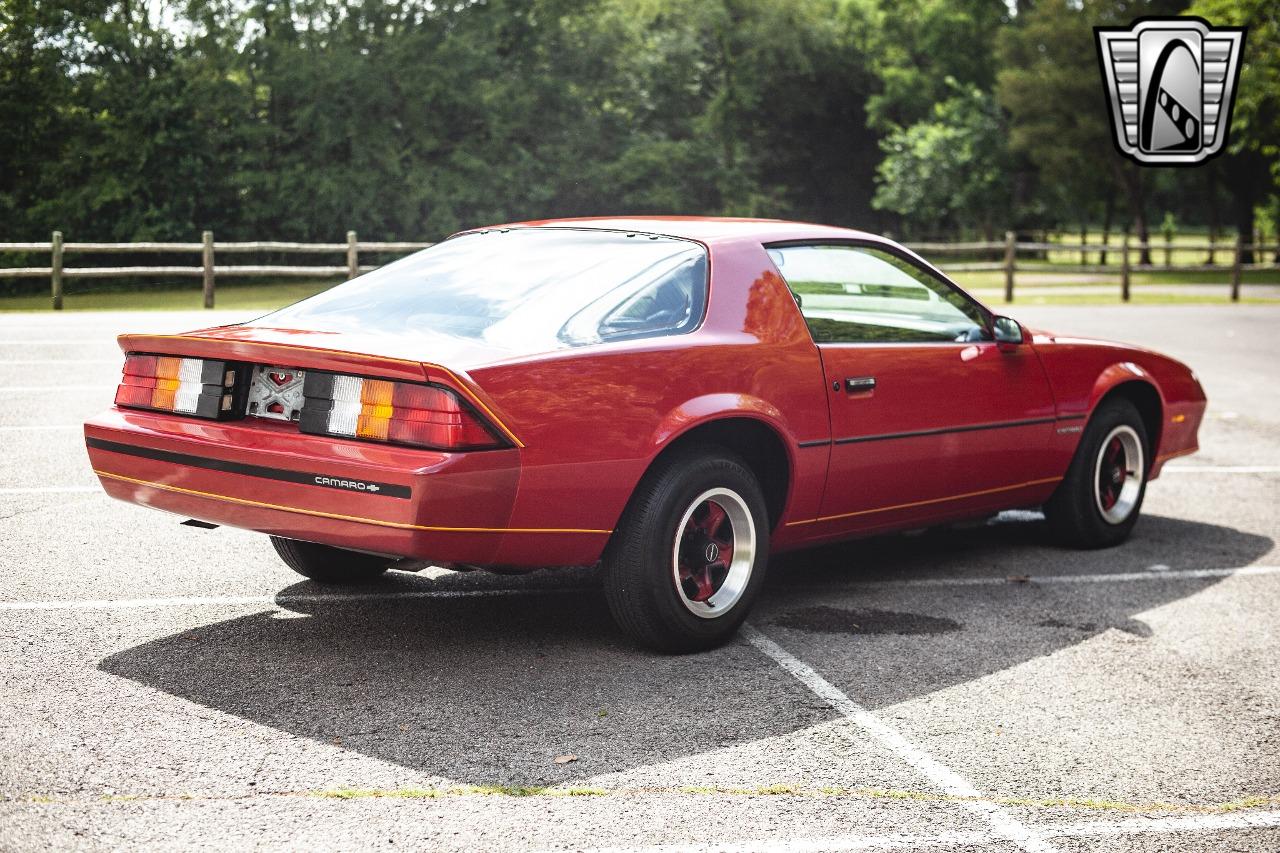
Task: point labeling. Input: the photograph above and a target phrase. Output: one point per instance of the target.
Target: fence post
(1009, 249)
(353, 256)
(206, 255)
(1124, 269)
(55, 267)
(1168, 251)
(1235, 268)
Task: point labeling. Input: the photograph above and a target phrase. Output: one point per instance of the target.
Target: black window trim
(889, 249)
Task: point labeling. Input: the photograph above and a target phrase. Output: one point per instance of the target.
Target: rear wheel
(326, 564)
(1097, 504)
(689, 556)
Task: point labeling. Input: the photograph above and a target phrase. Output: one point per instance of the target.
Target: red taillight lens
(188, 386)
(399, 412)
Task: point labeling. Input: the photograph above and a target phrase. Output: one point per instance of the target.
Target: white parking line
(105, 342)
(115, 361)
(1085, 829)
(52, 490)
(375, 595)
(40, 427)
(1190, 823)
(272, 600)
(1111, 577)
(1223, 469)
(1004, 825)
(836, 844)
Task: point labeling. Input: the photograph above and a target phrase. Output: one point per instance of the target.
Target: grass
(786, 790)
(986, 285)
(994, 299)
(244, 297)
(1222, 255)
(1109, 281)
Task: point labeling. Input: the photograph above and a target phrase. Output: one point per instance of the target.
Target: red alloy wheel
(1119, 472)
(706, 551)
(1111, 473)
(714, 553)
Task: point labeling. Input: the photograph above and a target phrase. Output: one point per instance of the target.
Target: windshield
(519, 288)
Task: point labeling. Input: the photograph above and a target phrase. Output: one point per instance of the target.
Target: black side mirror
(1006, 330)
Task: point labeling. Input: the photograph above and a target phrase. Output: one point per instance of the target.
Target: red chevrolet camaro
(673, 398)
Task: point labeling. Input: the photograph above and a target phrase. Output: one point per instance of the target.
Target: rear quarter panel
(592, 419)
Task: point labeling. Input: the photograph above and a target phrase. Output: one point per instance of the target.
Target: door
(930, 417)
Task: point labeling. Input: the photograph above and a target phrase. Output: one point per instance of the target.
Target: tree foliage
(951, 169)
(409, 120)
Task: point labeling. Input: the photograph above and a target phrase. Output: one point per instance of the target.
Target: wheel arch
(1134, 384)
(754, 432)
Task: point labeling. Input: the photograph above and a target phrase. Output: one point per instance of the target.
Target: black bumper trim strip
(325, 481)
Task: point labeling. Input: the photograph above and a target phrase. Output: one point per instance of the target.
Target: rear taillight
(187, 386)
(397, 412)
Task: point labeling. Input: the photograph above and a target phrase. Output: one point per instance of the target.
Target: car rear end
(352, 418)
(366, 452)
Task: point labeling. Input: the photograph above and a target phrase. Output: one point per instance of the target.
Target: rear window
(521, 287)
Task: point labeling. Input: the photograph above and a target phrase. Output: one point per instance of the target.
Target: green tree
(950, 170)
(1252, 162)
(1049, 83)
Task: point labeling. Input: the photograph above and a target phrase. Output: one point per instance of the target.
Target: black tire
(1077, 512)
(640, 572)
(326, 564)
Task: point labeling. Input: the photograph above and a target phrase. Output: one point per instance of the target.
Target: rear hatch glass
(523, 289)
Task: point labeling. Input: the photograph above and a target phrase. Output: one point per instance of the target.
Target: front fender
(1116, 375)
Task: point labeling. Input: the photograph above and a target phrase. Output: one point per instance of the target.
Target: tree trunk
(1140, 222)
(1108, 212)
(1247, 174)
(1215, 218)
(1245, 223)
(1131, 177)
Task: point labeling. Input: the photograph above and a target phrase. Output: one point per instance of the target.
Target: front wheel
(689, 556)
(1096, 505)
(326, 564)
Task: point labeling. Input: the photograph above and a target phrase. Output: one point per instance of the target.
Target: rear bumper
(430, 505)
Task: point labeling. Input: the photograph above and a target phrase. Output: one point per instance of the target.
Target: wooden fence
(208, 271)
(1010, 248)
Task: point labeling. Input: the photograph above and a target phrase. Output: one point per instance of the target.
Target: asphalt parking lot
(967, 689)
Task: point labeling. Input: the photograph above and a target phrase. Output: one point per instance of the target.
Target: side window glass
(670, 303)
(854, 294)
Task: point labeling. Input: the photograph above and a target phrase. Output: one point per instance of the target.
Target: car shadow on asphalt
(488, 682)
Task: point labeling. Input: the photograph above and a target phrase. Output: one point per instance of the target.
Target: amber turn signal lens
(398, 412)
(187, 386)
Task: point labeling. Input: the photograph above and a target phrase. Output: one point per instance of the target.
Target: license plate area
(276, 393)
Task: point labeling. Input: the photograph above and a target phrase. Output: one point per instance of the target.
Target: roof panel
(706, 229)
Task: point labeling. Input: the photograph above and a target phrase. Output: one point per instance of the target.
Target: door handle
(854, 384)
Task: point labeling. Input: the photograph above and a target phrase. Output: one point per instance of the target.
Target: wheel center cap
(1117, 475)
(712, 552)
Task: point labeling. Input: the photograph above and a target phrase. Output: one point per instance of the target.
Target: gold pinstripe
(356, 518)
(927, 502)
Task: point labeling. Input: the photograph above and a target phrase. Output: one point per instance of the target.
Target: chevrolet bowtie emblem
(1170, 83)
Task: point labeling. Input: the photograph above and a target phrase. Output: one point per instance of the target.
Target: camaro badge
(1170, 84)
